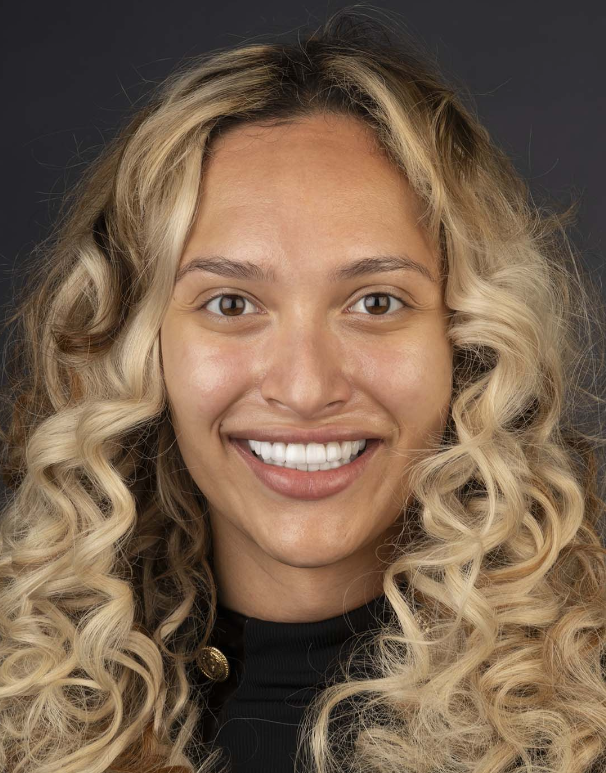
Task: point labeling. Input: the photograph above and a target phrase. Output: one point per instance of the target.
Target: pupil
(232, 305)
(376, 305)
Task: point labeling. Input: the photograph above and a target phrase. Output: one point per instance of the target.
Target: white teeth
(310, 457)
(295, 453)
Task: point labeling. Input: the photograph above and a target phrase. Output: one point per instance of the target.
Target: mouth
(302, 483)
(299, 467)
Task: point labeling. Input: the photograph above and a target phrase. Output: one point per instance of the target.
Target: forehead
(311, 193)
(312, 161)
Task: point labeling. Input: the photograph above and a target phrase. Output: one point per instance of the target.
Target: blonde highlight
(494, 659)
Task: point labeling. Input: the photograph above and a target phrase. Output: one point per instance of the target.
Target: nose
(307, 371)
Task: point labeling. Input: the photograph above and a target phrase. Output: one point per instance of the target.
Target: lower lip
(306, 485)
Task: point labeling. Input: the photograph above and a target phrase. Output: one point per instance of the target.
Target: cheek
(202, 380)
(413, 382)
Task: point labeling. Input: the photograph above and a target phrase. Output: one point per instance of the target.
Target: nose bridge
(305, 367)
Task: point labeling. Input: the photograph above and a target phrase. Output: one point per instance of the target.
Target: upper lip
(296, 435)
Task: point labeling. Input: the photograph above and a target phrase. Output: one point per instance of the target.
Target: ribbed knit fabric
(275, 669)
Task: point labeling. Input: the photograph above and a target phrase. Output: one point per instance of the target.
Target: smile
(310, 457)
(289, 479)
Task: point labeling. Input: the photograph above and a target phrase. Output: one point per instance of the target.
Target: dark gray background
(536, 70)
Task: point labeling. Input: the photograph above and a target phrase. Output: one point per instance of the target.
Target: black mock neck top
(275, 669)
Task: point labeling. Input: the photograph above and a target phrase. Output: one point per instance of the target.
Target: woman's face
(363, 355)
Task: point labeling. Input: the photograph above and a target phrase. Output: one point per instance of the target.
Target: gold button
(213, 663)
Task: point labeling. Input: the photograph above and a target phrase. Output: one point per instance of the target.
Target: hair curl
(493, 660)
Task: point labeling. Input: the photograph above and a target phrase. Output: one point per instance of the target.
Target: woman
(293, 478)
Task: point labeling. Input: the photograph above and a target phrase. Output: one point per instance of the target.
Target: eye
(235, 304)
(380, 303)
(232, 307)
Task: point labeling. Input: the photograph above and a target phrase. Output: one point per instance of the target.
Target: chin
(309, 554)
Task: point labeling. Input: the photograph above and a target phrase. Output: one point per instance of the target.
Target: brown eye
(376, 304)
(379, 303)
(233, 306)
(229, 305)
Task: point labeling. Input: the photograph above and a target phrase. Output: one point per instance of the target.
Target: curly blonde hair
(493, 659)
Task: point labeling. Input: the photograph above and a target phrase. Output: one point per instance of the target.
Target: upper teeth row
(312, 453)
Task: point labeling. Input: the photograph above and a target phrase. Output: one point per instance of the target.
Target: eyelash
(239, 295)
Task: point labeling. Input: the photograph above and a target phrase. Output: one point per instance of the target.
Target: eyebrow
(245, 269)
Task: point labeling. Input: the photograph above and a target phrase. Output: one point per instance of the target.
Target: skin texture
(303, 199)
